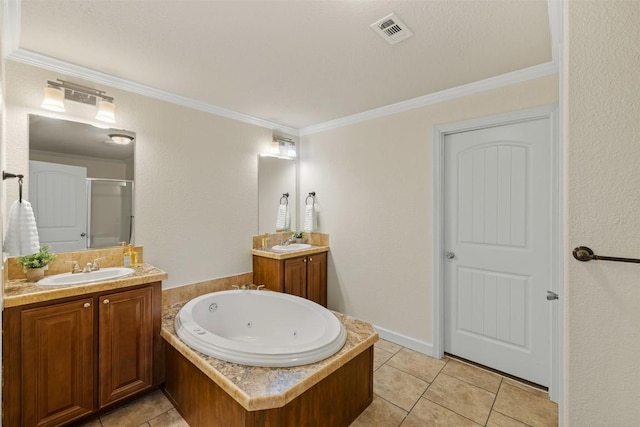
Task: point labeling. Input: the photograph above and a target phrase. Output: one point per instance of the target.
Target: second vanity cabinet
(303, 276)
(67, 359)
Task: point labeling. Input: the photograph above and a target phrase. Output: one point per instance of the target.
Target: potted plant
(298, 236)
(34, 265)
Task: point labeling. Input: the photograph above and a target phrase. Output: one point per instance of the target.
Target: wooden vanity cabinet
(304, 276)
(64, 360)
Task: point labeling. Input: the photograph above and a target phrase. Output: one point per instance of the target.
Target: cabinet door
(317, 278)
(57, 363)
(295, 276)
(126, 343)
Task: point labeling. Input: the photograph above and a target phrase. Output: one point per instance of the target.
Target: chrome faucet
(289, 240)
(96, 266)
(88, 268)
(75, 268)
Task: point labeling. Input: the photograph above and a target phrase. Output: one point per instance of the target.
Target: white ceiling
(297, 63)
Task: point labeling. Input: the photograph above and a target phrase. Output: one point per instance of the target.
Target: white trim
(58, 66)
(10, 26)
(437, 97)
(405, 341)
(554, 8)
(439, 134)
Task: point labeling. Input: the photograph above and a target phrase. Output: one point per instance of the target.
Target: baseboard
(405, 341)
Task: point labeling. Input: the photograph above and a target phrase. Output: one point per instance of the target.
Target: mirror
(276, 176)
(80, 184)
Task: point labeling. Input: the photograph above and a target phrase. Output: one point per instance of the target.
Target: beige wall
(195, 175)
(602, 201)
(374, 188)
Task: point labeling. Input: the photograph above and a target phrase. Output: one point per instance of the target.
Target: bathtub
(260, 328)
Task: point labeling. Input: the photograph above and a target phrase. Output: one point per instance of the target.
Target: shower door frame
(131, 217)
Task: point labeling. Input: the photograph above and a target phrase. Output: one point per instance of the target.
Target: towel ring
(285, 196)
(311, 195)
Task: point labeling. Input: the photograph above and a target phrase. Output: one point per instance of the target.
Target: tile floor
(410, 390)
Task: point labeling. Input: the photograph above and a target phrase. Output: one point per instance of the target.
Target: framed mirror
(276, 176)
(81, 184)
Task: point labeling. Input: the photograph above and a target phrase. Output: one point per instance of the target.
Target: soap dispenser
(133, 256)
(126, 255)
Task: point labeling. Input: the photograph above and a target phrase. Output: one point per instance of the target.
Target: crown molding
(442, 96)
(11, 39)
(66, 68)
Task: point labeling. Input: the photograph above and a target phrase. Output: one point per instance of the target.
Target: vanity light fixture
(53, 99)
(56, 92)
(120, 139)
(283, 146)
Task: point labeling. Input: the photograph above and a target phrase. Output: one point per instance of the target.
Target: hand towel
(22, 231)
(309, 217)
(287, 219)
(281, 220)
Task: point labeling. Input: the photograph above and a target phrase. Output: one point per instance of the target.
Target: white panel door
(498, 241)
(58, 195)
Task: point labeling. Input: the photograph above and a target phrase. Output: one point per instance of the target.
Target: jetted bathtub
(260, 328)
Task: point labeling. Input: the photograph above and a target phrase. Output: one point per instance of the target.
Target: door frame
(556, 321)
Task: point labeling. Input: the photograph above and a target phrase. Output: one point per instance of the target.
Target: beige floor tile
(496, 419)
(417, 364)
(91, 423)
(538, 392)
(138, 412)
(427, 413)
(380, 356)
(388, 346)
(461, 397)
(380, 414)
(170, 418)
(473, 375)
(398, 387)
(526, 407)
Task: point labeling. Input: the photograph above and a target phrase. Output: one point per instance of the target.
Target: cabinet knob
(310, 259)
(305, 260)
(106, 301)
(87, 305)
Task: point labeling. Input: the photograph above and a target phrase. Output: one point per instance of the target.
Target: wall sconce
(56, 92)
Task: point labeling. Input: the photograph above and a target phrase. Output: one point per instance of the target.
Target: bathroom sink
(291, 248)
(108, 273)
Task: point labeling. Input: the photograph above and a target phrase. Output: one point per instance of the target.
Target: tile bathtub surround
(257, 388)
(63, 261)
(182, 294)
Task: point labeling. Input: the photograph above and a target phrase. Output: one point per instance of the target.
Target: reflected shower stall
(110, 212)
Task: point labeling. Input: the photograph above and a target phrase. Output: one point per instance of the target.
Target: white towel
(287, 219)
(22, 232)
(309, 218)
(281, 220)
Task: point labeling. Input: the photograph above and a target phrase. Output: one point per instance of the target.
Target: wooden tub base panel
(335, 401)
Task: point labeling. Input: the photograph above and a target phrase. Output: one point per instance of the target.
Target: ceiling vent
(392, 29)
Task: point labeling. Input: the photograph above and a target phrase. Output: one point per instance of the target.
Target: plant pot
(35, 274)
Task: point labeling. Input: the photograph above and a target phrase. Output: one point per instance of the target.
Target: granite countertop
(21, 292)
(269, 253)
(257, 388)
